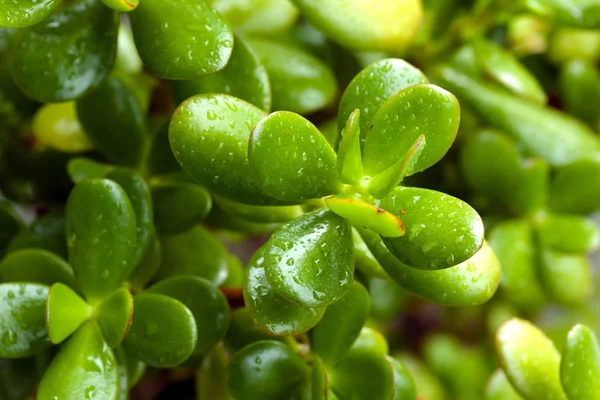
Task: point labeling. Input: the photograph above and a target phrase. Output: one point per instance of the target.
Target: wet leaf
(580, 364)
(363, 375)
(349, 162)
(178, 206)
(36, 265)
(25, 12)
(364, 260)
(122, 5)
(65, 312)
(114, 316)
(243, 331)
(261, 214)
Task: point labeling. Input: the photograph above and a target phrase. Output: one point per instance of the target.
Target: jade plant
(299, 199)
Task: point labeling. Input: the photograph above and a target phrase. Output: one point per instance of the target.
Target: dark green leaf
(569, 195)
(148, 265)
(81, 168)
(349, 163)
(36, 265)
(68, 54)
(580, 364)
(114, 316)
(211, 377)
(10, 224)
(24, 13)
(567, 278)
(47, 232)
(65, 312)
(178, 206)
(243, 331)
(580, 90)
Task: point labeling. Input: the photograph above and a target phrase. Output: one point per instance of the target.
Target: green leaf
(65, 312)
(121, 358)
(543, 131)
(160, 159)
(46, 233)
(568, 195)
(195, 252)
(138, 193)
(364, 260)
(135, 367)
(181, 39)
(567, 278)
(207, 126)
(243, 331)
(428, 384)
(388, 27)
(163, 332)
(300, 82)
(25, 12)
(114, 316)
(579, 85)
(404, 386)
(499, 388)
(530, 360)
(212, 376)
(477, 278)
(334, 334)
(22, 319)
(261, 214)
(244, 77)
(441, 230)
(82, 41)
(266, 370)
(388, 299)
(56, 125)
(178, 206)
(114, 121)
(85, 367)
(568, 233)
(531, 194)
(319, 381)
(310, 261)
(419, 109)
(386, 181)
(363, 375)
(19, 377)
(122, 5)
(270, 312)
(580, 364)
(80, 168)
(505, 68)
(207, 304)
(101, 235)
(290, 159)
(349, 162)
(148, 265)
(36, 265)
(371, 340)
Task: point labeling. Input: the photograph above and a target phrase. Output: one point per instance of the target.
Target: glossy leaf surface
(81, 39)
(319, 381)
(178, 206)
(349, 163)
(261, 214)
(182, 39)
(441, 230)
(371, 340)
(65, 312)
(363, 375)
(122, 5)
(22, 319)
(334, 334)
(114, 316)
(364, 260)
(290, 159)
(243, 331)
(85, 367)
(148, 266)
(163, 332)
(25, 12)
(101, 235)
(36, 265)
(580, 364)
(310, 261)
(404, 386)
(207, 304)
(270, 312)
(80, 168)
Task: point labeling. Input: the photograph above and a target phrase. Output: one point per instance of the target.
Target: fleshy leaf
(243, 331)
(290, 159)
(211, 376)
(80, 168)
(531, 193)
(266, 370)
(340, 326)
(195, 252)
(36, 265)
(567, 194)
(24, 13)
(101, 235)
(373, 86)
(580, 89)
(364, 260)
(478, 277)
(310, 261)
(270, 312)
(569, 233)
(56, 125)
(419, 109)
(371, 340)
(148, 265)
(404, 386)
(580, 364)
(244, 77)
(499, 388)
(207, 126)
(122, 5)
(179, 206)
(85, 367)
(257, 17)
(207, 304)
(567, 278)
(114, 121)
(163, 332)
(181, 39)
(47, 233)
(121, 357)
(530, 360)
(300, 82)
(261, 214)
(441, 230)
(65, 312)
(349, 163)
(81, 38)
(114, 316)
(22, 319)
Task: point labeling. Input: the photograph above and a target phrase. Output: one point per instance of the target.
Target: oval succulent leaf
(122, 5)
(46, 233)
(579, 85)
(260, 214)
(530, 360)
(419, 109)
(270, 312)
(82, 39)
(163, 332)
(365, 261)
(499, 388)
(349, 163)
(80, 168)
(319, 382)
(207, 304)
(65, 312)
(371, 340)
(25, 12)
(211, 377)
(340, 326)
(290, 159)
(101, 235)
(568, 195)
(266, 370)
(441, 230)
(243, 331)
(569, 233)
(580, 364)
(310, 261)
(404, 385)
(148, 266)
(244, 77)
(181, 39)
(56, 125)
(22, 319)
(114, 316)
(567, 278)
(36, 265)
